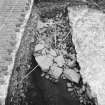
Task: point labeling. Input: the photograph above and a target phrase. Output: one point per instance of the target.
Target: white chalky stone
(44, 62)
(71, 75)
(55, 72)
(60, 60)
(39, 47)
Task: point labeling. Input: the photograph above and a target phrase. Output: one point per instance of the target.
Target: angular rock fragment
(44, 62)
(59, 60)
(71, 75)
(55, 71)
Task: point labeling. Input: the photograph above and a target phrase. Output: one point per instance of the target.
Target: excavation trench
(36, 89)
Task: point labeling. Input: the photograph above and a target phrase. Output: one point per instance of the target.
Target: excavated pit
(36, 89)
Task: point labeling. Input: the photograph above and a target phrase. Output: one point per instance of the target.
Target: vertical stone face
(90, 46)
(10, 12)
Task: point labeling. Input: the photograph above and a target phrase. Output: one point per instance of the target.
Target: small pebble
(47, 76)
(43, 74)
(68, 84)
(70, 89)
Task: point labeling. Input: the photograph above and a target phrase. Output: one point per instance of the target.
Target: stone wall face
(12, 16)
(89, 39)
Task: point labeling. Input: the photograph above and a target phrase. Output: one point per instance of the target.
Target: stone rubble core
(50, 52)
(89, 39)
(9, 36)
